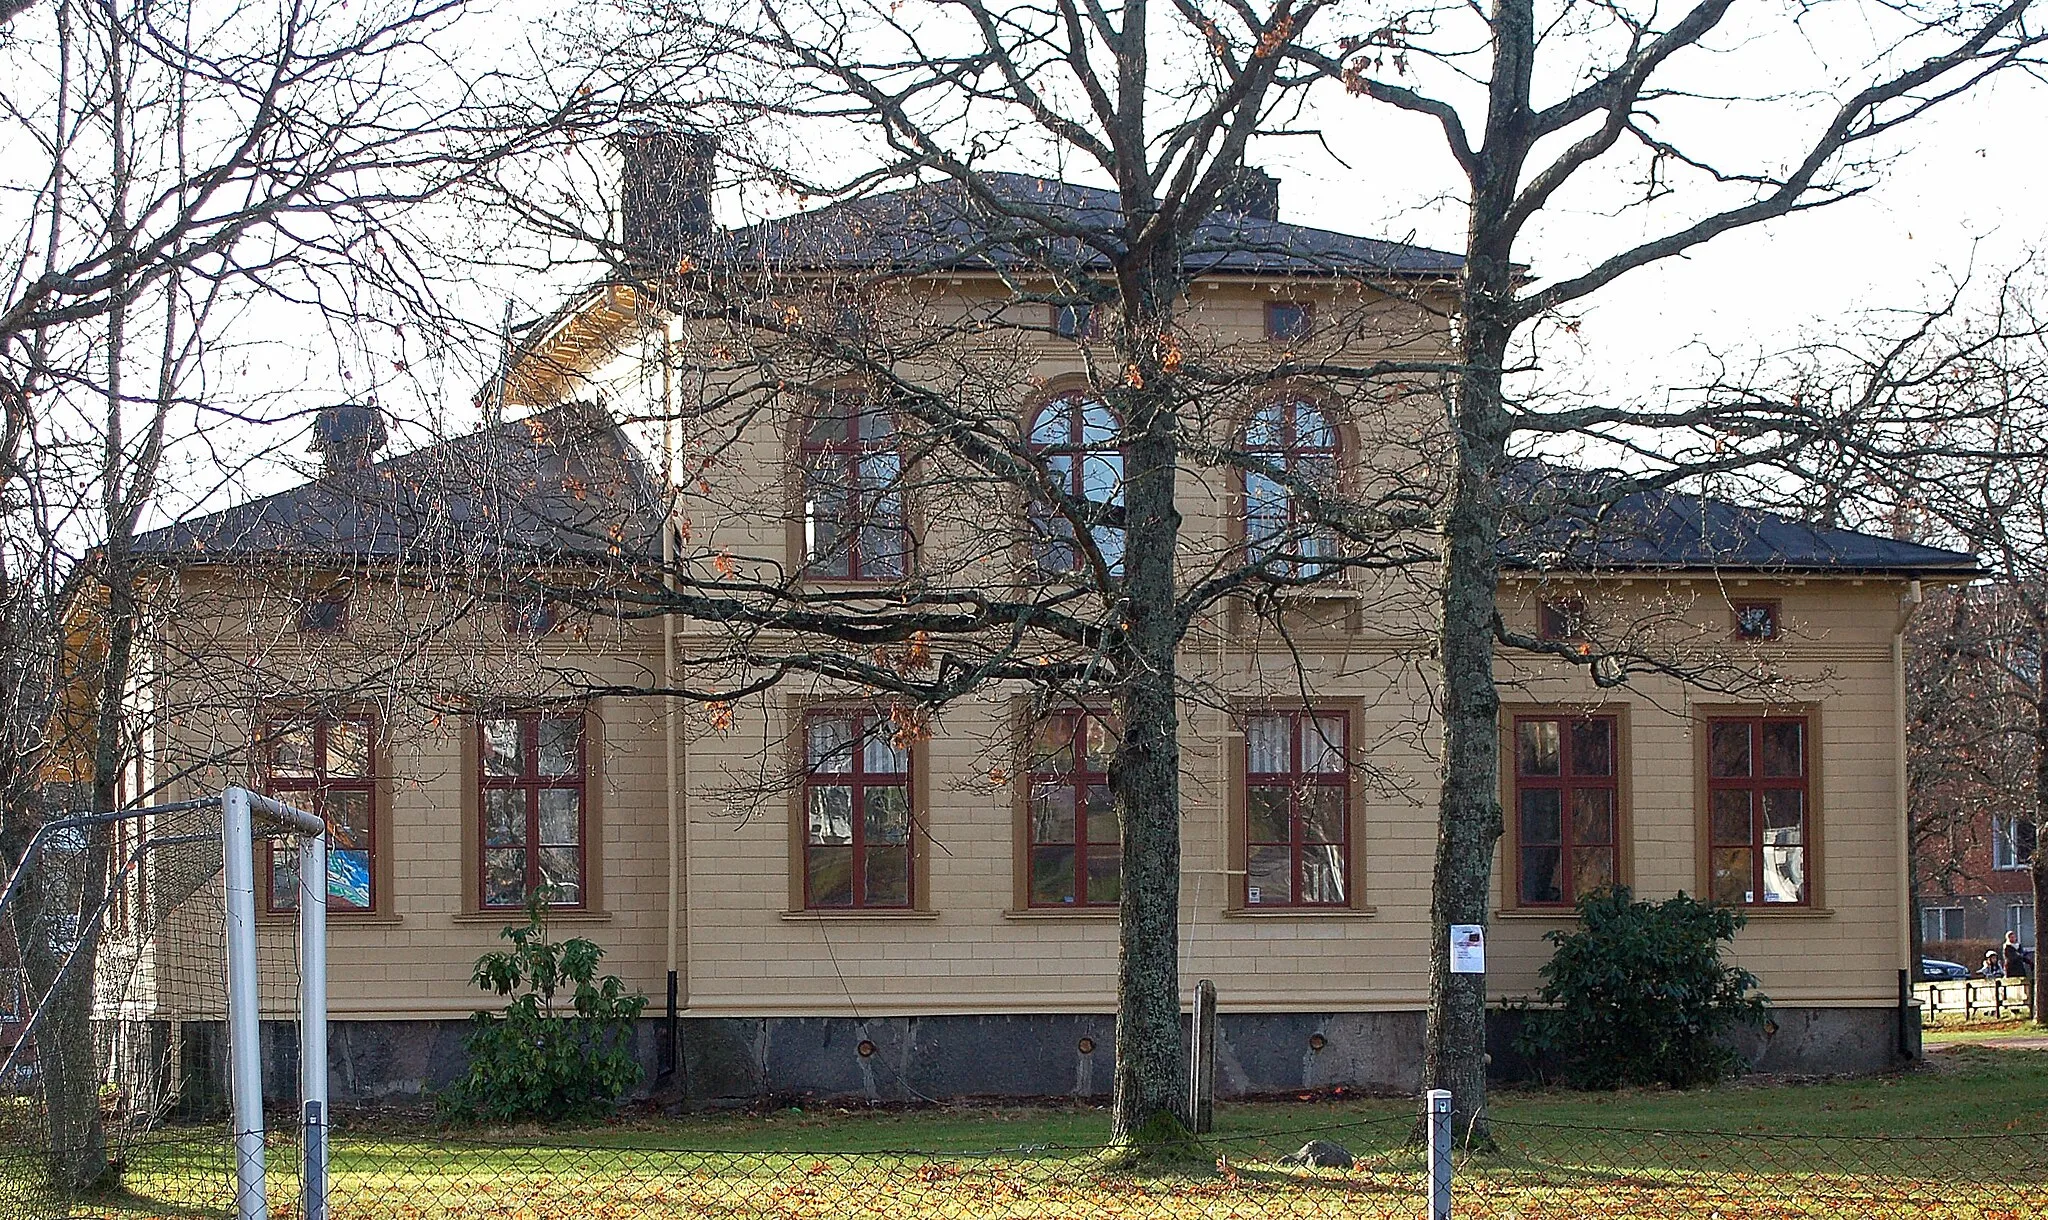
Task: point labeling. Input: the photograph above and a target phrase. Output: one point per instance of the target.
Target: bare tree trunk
(2039, 869)
(1150, 1099)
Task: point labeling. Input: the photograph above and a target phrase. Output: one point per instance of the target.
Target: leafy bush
(1638, 994)
(538, 1059)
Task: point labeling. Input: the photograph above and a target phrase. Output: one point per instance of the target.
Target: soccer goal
(141, 995)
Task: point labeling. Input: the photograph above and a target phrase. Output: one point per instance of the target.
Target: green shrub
(540, 1059)
(1638, 995)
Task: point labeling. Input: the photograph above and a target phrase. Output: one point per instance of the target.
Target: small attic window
(530, 614)
(325, 611)
(1756, 620)
(1079, 322)
(1289, 321)
(1562, 619)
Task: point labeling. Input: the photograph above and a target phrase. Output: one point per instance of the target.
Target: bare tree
(179, 178)
(1536, 101)
(1050, 555)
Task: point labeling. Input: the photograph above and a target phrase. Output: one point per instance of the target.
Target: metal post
(313, 1023)
(245, 1048)
(1439, 1102)
(1202, 1060)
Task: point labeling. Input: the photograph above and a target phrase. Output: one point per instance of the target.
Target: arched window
(853, 491)
(1292, 445)
(1077, 437)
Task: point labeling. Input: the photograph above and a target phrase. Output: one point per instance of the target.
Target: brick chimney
(664, 195)
(345, 436)
(1251, 193)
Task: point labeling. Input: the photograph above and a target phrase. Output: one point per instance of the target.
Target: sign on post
(1468, 948)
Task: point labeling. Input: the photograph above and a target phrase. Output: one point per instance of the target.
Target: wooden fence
(1973, 999)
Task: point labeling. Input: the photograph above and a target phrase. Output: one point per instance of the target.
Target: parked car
(1934, 970)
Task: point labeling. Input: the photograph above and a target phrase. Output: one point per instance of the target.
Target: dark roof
(560, 485)
(1572, 521)
(939, 226)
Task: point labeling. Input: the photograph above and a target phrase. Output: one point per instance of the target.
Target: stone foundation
(910, 1059)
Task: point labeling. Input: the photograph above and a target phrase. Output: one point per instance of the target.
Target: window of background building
(2019, 917)
(1566, 807)
(531, 798)
(1297, 809)
(1081, 322)
(2012, 842)
(1941, 923)
(857, 815)
(1758, 812)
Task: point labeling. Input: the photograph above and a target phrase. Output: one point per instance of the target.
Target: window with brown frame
(326, 765)
(1562, 618)
(1290, 321)
(1297, 809)
(1759, 813)
(1078, 322)
(1756, 620)
(324, 611)
(532, 801)
(854, 522)
(1076, 852)
(856, 813)
(1292, 444)
(1079, 440)
(530, 613)
(1566, 807)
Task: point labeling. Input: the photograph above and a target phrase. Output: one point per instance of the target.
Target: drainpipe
(672, 771)
(1908, 972)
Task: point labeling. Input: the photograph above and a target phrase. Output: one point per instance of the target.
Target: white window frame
(2019, 917)
(2005, 844)
(1942, 914)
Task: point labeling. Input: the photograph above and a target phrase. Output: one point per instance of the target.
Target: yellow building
(460, 654)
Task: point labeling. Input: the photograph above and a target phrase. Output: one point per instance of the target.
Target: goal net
(162, 981)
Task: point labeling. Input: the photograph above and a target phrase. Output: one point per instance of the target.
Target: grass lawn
(1959, 1138)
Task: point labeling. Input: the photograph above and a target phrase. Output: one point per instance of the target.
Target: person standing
(2015, 958)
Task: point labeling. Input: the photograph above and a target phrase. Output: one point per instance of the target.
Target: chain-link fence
(1365, 1167)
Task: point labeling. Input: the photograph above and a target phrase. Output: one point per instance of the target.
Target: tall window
(854, 526)
(1076, 851)
(1297, 809)
(1758, 814)
(856, 812)
(323, 764)
(1565, 807)
(1295, 442)
(531, 772)
(2019, 918)
(2012, 842)
(1077, 437)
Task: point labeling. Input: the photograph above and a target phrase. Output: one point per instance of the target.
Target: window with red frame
(1297, 809)
(1076, 850)
(1079, 440)
(324, 611)
(1293, 448)
(1288, 321)
(529, 612)
(857, 816)
(1565, 807)
(325, 765)
(531, 790)
(1758, 811)
(854, 524)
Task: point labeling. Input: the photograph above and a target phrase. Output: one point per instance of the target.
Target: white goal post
(240, 811)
